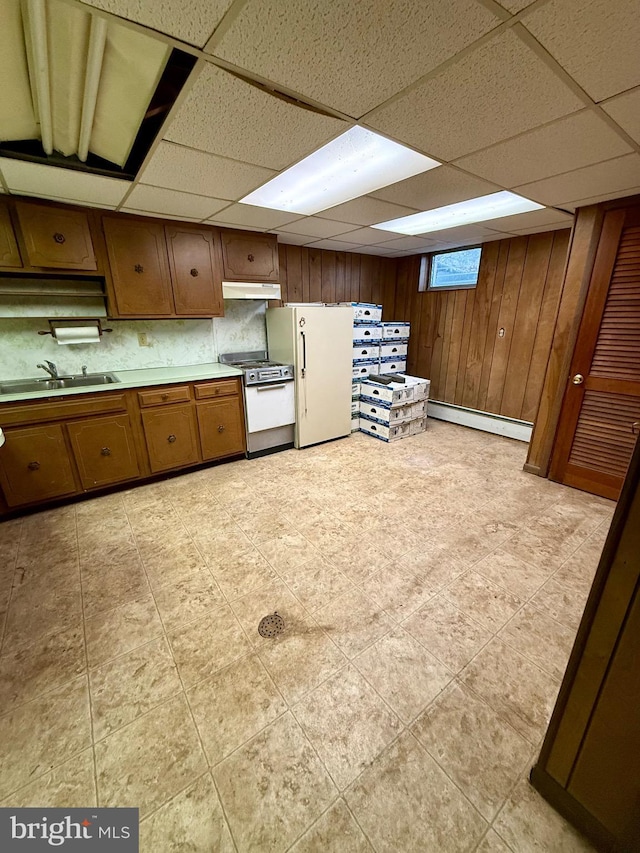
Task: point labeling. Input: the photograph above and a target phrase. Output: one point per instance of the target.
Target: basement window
(452, 270)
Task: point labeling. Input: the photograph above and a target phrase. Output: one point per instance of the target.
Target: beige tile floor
(431, 591)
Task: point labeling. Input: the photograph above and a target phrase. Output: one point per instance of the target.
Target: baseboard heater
(509, 427)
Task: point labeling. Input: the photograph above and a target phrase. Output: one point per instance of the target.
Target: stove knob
(252, 375)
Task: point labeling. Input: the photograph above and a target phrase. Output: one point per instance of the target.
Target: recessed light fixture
(479, 209)
(356, 163)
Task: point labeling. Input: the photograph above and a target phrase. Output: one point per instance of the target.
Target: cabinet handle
(164, 396)
(106, 451)
(139, 268)
(33, 466)
(171, 439)
(58, 237)
(194, 272)
(250, 258)
(221, 428)
(635, 427)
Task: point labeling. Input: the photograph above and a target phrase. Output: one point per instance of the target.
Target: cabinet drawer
(56, 237)
(221, 428)
(35, 465)
(171, 436)
(159, 396)
(60, 407)
(216, 389)
(104, 450)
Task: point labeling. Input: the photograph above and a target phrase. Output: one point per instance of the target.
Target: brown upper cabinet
(194, 259)
(9, 252)
(139, 267)
(250, 257)
(170, 270)
(56, 237)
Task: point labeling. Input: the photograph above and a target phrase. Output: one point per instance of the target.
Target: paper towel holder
(70, 324)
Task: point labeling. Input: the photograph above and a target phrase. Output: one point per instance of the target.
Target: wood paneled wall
(455, 335)
(319, 275)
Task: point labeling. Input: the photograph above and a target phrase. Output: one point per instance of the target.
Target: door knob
(635, 427)
(59, 238)
(33, 466)
(106, 451)
(171, 439)
(221, 428)
(578, 379)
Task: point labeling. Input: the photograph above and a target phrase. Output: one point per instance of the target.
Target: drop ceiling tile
(192, 21)
(498, 90)
(336, 245)
(369, 236)
(436, 188)
(596, 41)
(366, 211)
(408, 244)
(596, 199)
(570, 143)
(538, 229)
(603, 179)
(349, 56)
(625, 110)
(155, 215)
(173, 203)
(176, 167)
(224, 115)
(469, 233)
(52, 182)
(532, 219)
(294, 239)
(254, 217)
(311, 227)
(515, 6)
(374, 250)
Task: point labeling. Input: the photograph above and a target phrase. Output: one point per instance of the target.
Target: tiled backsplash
(170, 342)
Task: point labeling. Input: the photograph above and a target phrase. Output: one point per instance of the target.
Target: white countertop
(137, 379)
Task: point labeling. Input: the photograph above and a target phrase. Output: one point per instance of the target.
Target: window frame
(426, 266)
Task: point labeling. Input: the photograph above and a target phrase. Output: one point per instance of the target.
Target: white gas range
(269, 401)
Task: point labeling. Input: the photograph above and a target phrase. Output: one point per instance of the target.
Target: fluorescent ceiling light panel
(356, 163)
(480, 209)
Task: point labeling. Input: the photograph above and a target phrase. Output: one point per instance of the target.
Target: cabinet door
(250, 257)
(138, 261)
(171, 437)
(56, 237)
(195, 270)
(104, 450)
(35, 465)
(9, 252)
(221, 428)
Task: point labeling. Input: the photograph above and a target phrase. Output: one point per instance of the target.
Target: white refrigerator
(318, 341)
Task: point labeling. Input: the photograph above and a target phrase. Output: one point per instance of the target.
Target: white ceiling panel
(495, 92)
(192, 21)
(408, 244)
(294, 239)
(366, 211)
(336, 245)
(155, 215)
(312, 227)
(254, 217)
(173, 203)
(596, 41)
(176, 167)
(515, 6)
(596, 199)
(603, 179)
(625, 110)
(224, 115)
(52, 182)
(533, 219)
(570, 143)
(435, 188)
(375, 250)
(350, 56)
(538, 229)
(370, 236)
(468, 233)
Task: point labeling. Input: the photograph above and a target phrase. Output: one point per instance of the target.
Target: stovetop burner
(257, 367)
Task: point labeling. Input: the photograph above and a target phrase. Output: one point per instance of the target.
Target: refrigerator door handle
(304, 354)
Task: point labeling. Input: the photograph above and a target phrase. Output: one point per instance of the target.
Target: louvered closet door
(601, 414)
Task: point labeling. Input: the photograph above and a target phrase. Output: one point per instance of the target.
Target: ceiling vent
(80, 90)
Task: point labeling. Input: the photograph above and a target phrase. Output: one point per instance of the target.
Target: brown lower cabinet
(64, 446)
(35, 465)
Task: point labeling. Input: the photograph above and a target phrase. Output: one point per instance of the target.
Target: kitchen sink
(23, 386)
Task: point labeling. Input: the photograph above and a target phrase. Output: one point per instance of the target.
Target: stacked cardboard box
(394, 411)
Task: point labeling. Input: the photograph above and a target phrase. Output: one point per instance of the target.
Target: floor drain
(271, 625)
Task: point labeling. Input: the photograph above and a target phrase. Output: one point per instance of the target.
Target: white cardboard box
(363, 312)
(396, 350)
(420, 386)
(364, 368)
(392, 365)
(417, 425)
(384, 414)
(366, 332)
(396, 330)
(393, 394)
(392, 432)
(366, 352)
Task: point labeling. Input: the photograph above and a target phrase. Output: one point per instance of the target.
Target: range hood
(250, 290)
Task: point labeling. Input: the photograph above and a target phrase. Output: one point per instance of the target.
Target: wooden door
(35, 465)
(139, 268)
(171, 437)
(250, 257)
(56, 237)
(221, 428)
(104, 450)
(196, 271)
(600, 415)
(9, 252)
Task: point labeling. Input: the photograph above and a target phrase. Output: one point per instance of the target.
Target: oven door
(269, 405)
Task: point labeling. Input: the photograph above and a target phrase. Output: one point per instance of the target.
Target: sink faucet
(84, 369)
(50, 367)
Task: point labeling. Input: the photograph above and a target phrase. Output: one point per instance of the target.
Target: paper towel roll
(78, 335)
